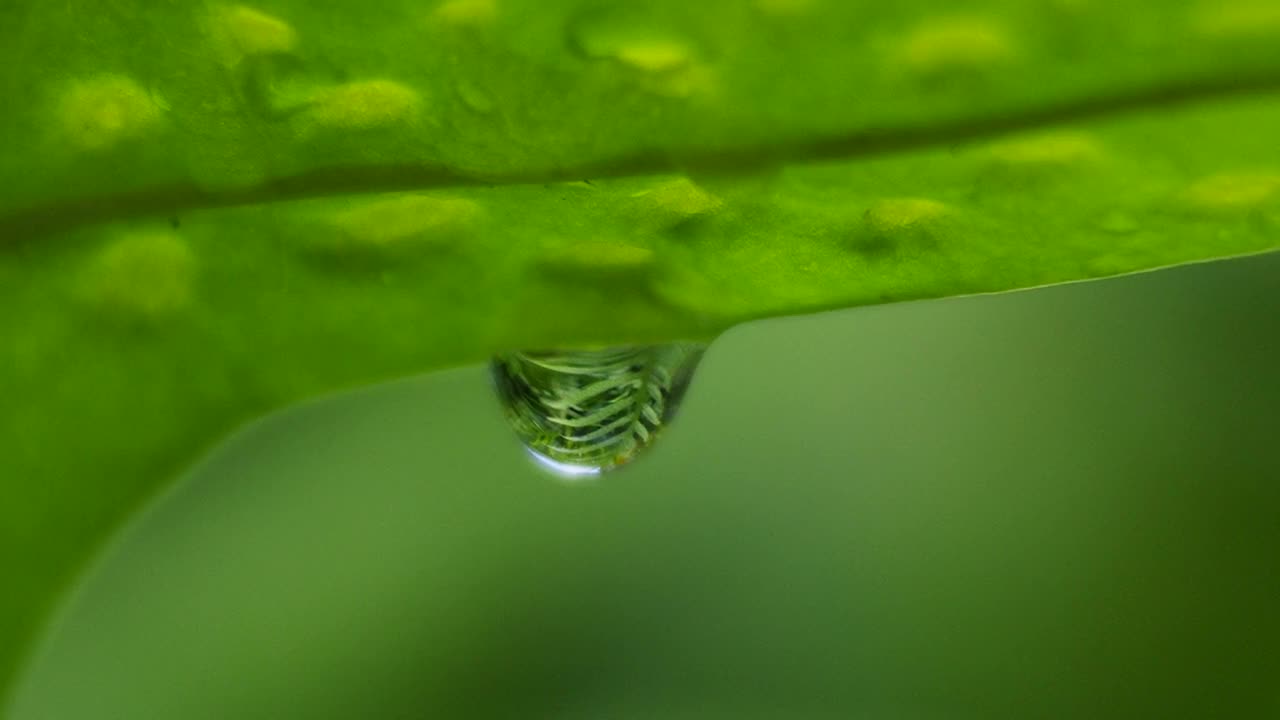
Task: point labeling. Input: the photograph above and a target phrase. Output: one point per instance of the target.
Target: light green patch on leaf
(99, 112)
(671, 202)
(144, 276)
(210, 211)
(599, 261)
(653, 56)
(945, 47)
(1231, 193)
(464, 13)
(1240, 19)
(358, 106)
(1045, 156)
(904, 224)
(239, 31)
(397, 226)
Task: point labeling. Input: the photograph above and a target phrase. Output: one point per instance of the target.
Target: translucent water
(580, 413)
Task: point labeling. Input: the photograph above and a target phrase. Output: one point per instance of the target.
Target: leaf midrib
(332, 181)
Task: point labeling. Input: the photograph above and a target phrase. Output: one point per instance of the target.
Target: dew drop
(581, 413)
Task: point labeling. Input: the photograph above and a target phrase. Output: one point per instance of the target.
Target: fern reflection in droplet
(583, 412)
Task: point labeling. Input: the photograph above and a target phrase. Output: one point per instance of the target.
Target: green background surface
(1058, 503)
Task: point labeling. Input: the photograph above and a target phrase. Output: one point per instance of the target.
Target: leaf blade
(275, 143)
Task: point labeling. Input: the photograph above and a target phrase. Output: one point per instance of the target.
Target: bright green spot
(144, 276)
(242, 31)
(899, 214)
(1047, 153)
(605, 261)
(1238, 19)
(955, 46)
(398, 226)
(660, 57)
(895, 222)
(655, 56)
(467, 12)
(1233, 192)
(102, 111)
(678, 200)
(359, 106)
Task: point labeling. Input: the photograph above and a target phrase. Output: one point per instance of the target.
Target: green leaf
(210, 211)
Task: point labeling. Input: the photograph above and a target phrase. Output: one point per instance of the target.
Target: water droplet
(584, 412)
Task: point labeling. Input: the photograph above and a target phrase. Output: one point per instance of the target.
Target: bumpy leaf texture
(209, 211)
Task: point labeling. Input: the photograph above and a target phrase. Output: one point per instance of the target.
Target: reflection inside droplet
(566, 471)
(580, 413)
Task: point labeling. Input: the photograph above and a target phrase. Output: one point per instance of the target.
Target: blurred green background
(1057, 503)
